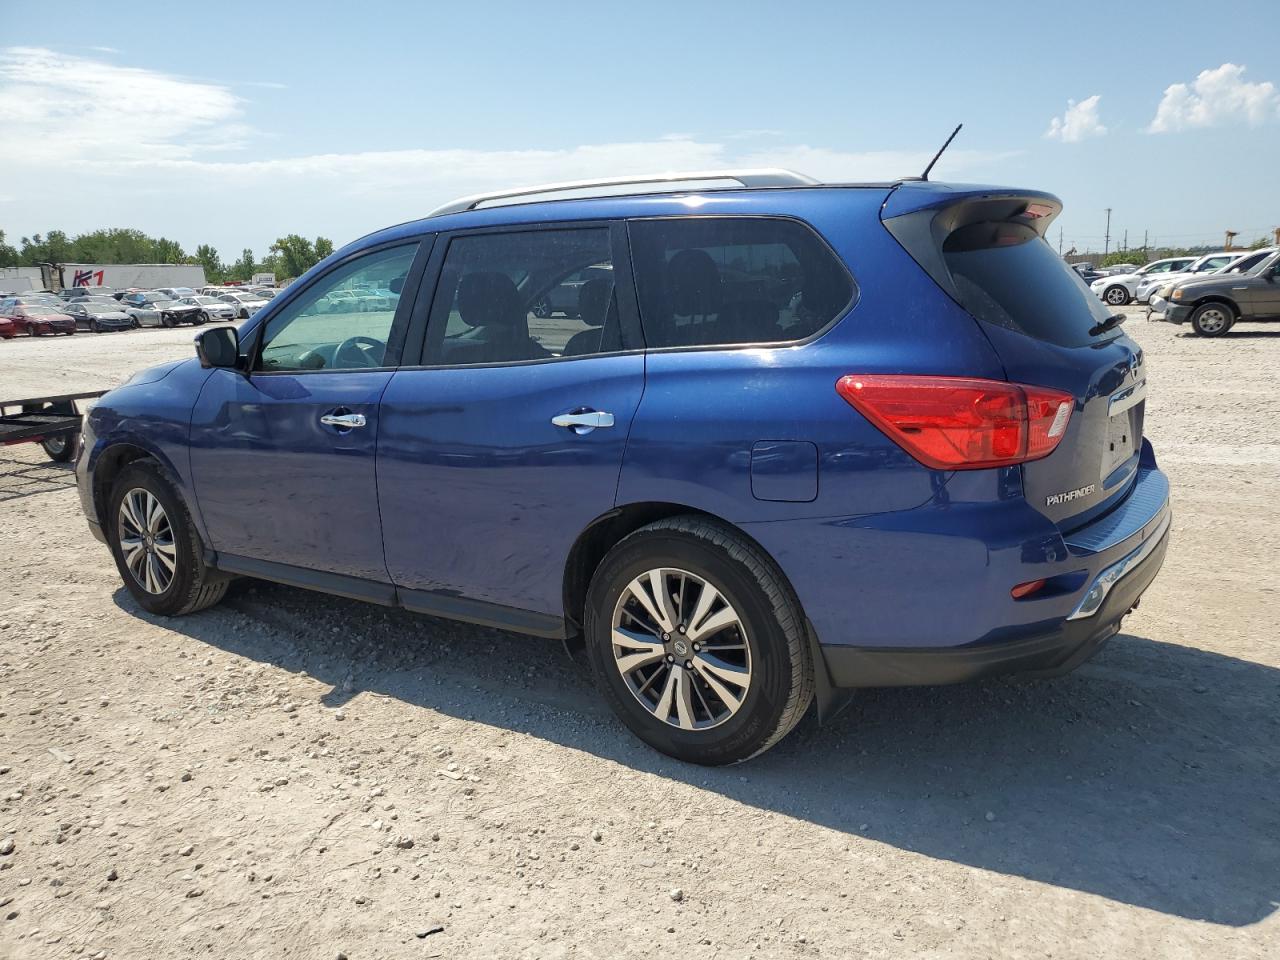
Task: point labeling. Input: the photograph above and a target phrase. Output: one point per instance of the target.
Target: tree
(208, 257)
(169, 251)
(8, 253)
(244, 268)
(297, 254)
(53, 247)
(324, 248)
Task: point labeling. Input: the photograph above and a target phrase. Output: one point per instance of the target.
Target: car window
(535, 295)
(322, 330)
(727, 280)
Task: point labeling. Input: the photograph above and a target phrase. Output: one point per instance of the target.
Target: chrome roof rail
(662, 182)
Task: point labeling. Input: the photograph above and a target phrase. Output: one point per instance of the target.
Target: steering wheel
(359, 351)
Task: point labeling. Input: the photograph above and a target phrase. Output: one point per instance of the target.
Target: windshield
(1007, 275)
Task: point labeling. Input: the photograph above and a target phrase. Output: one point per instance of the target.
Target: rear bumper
(1043, 652)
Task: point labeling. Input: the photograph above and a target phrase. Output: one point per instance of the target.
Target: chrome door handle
(583, 422)
(343, 421)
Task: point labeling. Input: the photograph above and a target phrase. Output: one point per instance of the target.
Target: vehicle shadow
(1149, 777)
(22, 475)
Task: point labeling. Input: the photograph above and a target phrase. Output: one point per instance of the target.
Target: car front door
(283, 455)
(506, 441)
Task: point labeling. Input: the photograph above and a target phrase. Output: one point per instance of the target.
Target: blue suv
(793, 439)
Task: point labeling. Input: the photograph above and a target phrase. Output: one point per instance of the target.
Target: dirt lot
(290, 775)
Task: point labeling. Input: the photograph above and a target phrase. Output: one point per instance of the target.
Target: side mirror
(218, 347)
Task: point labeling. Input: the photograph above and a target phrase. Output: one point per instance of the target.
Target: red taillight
(961, 423)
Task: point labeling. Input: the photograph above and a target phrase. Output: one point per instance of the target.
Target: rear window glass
(1006, 274)
(706, 281)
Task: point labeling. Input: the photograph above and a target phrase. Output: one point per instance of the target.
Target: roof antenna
(925, 175)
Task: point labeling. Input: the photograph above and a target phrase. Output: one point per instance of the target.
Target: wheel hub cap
(146, 541)
(681, 649)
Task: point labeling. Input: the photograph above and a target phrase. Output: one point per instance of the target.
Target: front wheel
(244, 314)
(1212, 319)
(542, 309)
(95, 326)
(1116, 295)
(202, 318)
(167, 321)
(697, 642)
(155, 545)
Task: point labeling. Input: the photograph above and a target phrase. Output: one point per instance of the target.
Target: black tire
(136, 324)
(203, 318)
(193, 585)
(167, 321)
(61, 448)
(95, 326)
(1212, 319)
(1116, 295)
(542, 309)
(781, 666)
(244, 314)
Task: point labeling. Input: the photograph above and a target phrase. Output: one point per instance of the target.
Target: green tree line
(290, 256)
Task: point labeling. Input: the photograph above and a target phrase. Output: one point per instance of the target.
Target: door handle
(343, 421)
(583, 422)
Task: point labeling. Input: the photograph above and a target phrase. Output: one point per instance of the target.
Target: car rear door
(505, 442)
(283, 456)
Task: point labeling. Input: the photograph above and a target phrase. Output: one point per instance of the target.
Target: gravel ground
(291, 775)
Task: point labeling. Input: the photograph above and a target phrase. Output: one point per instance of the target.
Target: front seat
(693, 290)
(596, 306)
(489, 303)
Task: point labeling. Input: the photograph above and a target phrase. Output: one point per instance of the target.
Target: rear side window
(536, 295)
(708, 281)
(1007, 275)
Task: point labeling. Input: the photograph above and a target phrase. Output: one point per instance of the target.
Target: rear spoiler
(921, 217)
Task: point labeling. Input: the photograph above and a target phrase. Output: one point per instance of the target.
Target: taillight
(962, 423)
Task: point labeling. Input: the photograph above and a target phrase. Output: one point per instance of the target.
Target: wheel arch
(113, 458)
(608, 529)
(1218, 298)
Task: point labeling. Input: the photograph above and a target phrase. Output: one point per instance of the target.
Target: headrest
(488, 298)
(693, 284)
(593, 301)
(396, 285)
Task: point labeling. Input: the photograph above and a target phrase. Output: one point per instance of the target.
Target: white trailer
(120, 276)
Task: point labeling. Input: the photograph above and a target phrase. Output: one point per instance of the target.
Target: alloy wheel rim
(1212, 321)
(681, 649)
(1115, 297)
(146, 541)
(56, 444)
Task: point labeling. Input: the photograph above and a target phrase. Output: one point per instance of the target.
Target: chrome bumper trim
(1101, 586)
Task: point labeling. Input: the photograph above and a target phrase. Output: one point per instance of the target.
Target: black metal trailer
(52, 422)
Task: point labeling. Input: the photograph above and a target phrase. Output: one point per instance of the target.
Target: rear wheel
(155, 545)
(697, 642)
(1212, 319)
(1116, 295)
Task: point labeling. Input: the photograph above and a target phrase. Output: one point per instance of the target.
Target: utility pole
(1277, 234)
(1145, 253)
(1060, 239)
(1106, 240)
(1125, 245)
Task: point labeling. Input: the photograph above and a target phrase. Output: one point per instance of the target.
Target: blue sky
(235, 123)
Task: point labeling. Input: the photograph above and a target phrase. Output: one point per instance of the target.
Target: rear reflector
(962, 423)
(1027, 589)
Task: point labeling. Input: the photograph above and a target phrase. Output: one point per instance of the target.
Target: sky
(235, 123)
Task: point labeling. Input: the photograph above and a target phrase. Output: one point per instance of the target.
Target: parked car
(740, 508)
(73, 293)
(8, 329)
(1086, 271)
(155, 309)
(176, 293)
(1213, 304)
(1207, 263)
(563, 298)
(211, 307)
(245, 304)
(1116, 269)
(98, 316)
(1118, 289)
(37, 319)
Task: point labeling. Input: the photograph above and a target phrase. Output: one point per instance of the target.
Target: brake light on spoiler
(961, 423)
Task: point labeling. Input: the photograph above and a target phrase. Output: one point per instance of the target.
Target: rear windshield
(1006, 274)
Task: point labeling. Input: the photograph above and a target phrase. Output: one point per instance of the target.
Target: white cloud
(1079, 122)
(1216, 97)
(105, 49)
(158, 151)
(64, 108)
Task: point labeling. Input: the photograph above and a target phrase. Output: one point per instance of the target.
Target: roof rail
(665, 183)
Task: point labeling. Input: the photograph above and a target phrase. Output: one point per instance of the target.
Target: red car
(7, 329)
(37, 320)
